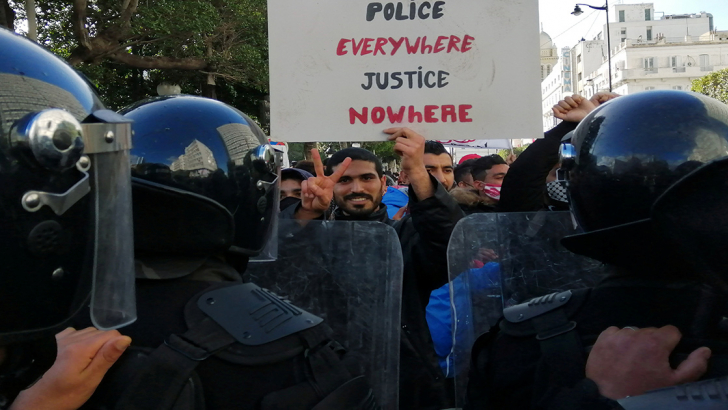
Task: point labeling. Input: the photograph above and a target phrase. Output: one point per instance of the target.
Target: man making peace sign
(357, 184)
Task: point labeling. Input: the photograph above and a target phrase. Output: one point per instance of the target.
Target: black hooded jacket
(524, 186)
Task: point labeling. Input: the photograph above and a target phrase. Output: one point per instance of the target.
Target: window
(579, 77)
(677, 87)
(649, 33)
(648, 63)
(621, 16)
(578, 58)
(649, 88)
(647, 15)
(673, 61)
(704, 60)
(623, 31)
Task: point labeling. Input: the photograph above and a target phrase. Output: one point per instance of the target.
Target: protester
(306, 165)
(396, 201)
(356, 185)
(463, 174)
(291, 179)
(487, 175)
(438, 163)
(531, 183)
(651, 210)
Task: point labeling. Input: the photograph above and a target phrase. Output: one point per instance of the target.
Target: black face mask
(288, 201)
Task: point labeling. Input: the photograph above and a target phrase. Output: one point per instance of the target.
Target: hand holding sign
(317, 192)
(411, 146)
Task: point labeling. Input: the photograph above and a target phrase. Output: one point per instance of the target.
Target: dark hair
(465, 168)
(298, 174)
(483, 164)
(435, 148)
(306, 166)
(356, 154)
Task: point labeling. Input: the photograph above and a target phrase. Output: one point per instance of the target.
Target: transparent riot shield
(500, 260)
(349, 274)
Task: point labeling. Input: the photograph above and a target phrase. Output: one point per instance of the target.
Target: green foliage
(713, 85)
(384, 150)
(231, 36)
(295, 151)
(516, 150)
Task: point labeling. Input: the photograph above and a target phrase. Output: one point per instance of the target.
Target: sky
(566, 30)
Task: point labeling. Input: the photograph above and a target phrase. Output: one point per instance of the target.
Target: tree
(504, 153)
(713, 85)
(214, 48)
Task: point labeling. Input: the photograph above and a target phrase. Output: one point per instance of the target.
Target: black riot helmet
(626, 154)
(204, 178)
(65, 202)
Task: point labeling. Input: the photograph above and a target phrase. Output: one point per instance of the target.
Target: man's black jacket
(524, 186)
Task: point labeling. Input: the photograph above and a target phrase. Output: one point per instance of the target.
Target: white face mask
(492, 191)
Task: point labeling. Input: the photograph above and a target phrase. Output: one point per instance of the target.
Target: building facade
(647, 54)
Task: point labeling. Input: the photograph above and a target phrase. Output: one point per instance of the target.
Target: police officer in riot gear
(205, 200)
(64, 177)
(638, 189)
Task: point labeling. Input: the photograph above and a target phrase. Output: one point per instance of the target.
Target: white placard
(344, 70)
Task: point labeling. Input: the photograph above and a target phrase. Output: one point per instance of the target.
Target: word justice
(391, 46)
(430, 114)
(415, 79)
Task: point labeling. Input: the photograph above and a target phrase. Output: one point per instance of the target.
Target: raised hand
(411, 147)
(573, 109)
(317, 192)
(83, 358)
(602, 97)
(629, 362)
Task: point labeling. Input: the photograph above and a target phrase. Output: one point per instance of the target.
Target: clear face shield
(264, 166)
(99, 149)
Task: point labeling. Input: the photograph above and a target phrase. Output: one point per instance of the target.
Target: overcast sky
(566, 30)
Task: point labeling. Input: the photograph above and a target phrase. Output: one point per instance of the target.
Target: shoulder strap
(171, 365)
(548, 318)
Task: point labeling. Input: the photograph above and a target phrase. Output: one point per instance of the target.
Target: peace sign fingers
(340, 170)
(317, 163)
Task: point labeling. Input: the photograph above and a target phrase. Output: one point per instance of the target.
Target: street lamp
(577, 11)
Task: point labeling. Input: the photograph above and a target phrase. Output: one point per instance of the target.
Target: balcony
(678, 69)
(706, 68)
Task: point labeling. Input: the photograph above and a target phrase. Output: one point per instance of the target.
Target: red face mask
(492, 191)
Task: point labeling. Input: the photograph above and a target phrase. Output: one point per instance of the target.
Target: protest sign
(346, 70)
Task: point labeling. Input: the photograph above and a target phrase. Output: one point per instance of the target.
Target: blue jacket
(440, 311)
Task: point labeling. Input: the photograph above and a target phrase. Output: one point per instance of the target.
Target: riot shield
(500, 260)
(349, 274)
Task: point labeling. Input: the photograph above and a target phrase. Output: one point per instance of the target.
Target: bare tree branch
(79, 23)
(128, 10)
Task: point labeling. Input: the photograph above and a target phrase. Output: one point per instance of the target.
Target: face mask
(288, 201)
(557, 191)
(492, 191)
